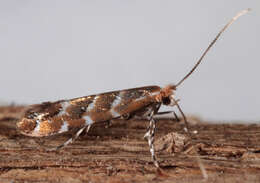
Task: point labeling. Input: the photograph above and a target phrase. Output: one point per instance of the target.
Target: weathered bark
(229, 153)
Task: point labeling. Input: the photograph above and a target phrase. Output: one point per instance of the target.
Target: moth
(50, 118)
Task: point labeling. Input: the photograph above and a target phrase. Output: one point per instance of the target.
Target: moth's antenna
(213, 42)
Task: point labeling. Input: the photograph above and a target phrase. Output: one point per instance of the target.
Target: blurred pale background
(51, 50)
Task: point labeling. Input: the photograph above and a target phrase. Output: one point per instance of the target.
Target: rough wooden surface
(229, 153)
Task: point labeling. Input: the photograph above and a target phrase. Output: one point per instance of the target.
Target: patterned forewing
(50, 118)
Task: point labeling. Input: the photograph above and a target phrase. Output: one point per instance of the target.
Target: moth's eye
(166, 100)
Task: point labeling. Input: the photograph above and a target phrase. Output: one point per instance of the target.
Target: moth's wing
(136, 100)
(50, 118)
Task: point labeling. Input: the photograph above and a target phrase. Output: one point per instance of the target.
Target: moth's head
(166, 95)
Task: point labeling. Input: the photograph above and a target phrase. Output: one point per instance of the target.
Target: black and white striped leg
(74, 137)
(150, 137)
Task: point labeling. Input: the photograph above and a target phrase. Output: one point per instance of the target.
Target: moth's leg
(74, 137)
(168, 112)
(108, 123)
(150, 137)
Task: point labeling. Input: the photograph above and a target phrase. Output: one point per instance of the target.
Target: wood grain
(229, 153)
